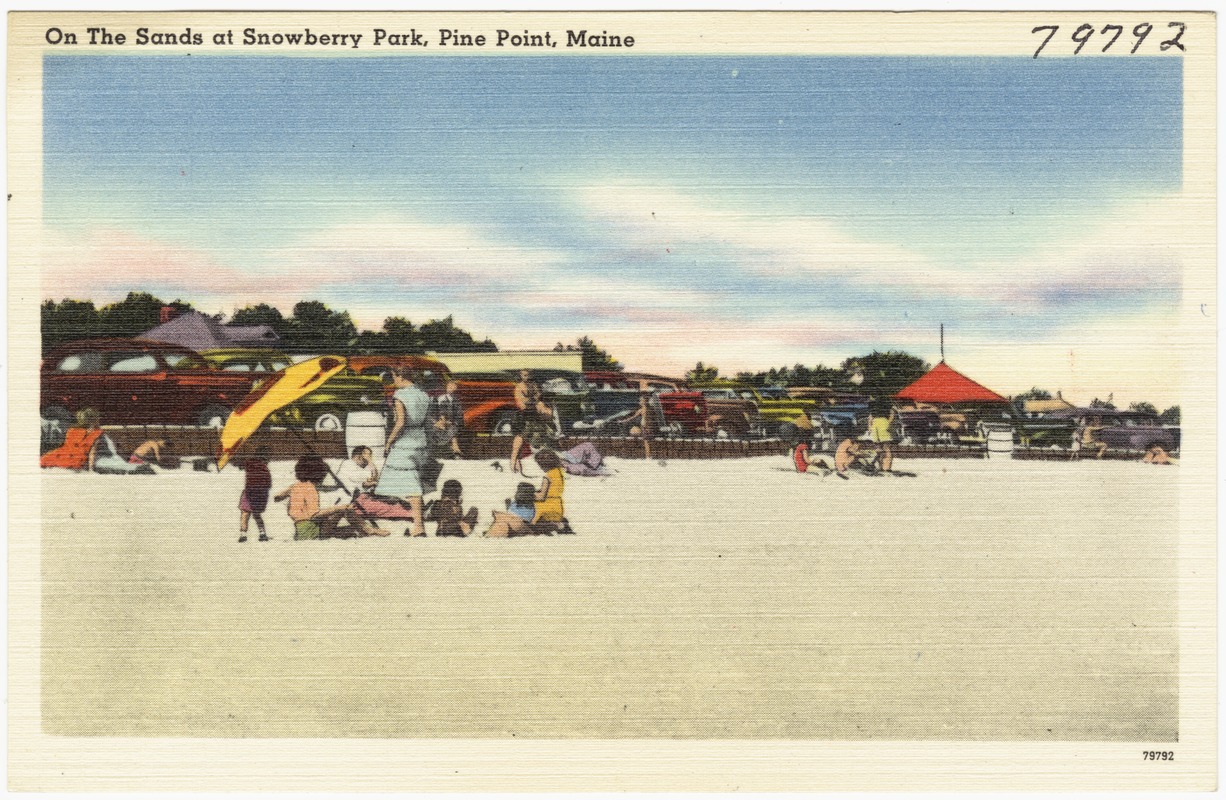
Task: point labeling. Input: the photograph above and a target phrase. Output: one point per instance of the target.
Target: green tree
(592, 357)
(1170, 416)
(315, 328)
(262, 314)
(69, 320)
(442, 336)
(1144, 407)
(886, 373)
(135, 314)
(1034, 393)
(1104, 404)
(701, 373)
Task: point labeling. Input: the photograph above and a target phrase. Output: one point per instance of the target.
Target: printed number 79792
(1157, 755)
(1083, 33)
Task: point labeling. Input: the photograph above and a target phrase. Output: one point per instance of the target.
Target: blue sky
(749, 211)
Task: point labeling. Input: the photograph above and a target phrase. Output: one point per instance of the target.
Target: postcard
(518, 401)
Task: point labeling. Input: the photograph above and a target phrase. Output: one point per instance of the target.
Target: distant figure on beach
(80, 447)
(846, 455)
(310, 521)
(584, 460)
(1086, 433)
(148, 452)
(86, 447)
(530, 413)
(448, 511)
(805, 461)
(643, 423)
(448, 417)
(407, 450)
(879, 431)
(254, 499)
(1157, 455)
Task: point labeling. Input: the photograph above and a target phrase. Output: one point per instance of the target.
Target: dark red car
(137, 382)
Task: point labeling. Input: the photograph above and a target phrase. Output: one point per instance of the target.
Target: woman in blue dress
(407, 449)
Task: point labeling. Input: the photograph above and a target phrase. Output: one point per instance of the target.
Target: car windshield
(774, 394)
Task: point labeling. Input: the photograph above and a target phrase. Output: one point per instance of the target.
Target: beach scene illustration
(619, 396)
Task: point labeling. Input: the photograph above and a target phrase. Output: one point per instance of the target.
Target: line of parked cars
(134, 381)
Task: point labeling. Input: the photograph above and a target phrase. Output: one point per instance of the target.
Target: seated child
(310, 522)
(448, 512)
(517, 519)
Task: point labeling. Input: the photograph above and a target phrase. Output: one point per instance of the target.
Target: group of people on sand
(851, 452)
(396, 491)
(87, 447)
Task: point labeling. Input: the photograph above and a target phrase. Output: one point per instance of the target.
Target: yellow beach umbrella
(282, 388)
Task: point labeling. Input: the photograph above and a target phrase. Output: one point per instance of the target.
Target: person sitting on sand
(845, 456)
(357, 473)
(804, 461)
(517, 519)
(585, 460)
(1089, 441)
(148, 452)
(448, 511)
(80, 447)
(310, 522)
(1157, 455)
(547, 504)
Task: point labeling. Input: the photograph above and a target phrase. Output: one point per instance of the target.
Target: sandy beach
(980, 600)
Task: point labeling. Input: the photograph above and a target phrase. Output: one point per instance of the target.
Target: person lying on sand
(1156, 455)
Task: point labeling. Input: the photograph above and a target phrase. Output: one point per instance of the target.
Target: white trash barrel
(1000, 443)
(366, 428)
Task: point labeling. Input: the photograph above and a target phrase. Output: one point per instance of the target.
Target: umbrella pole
(352, 495)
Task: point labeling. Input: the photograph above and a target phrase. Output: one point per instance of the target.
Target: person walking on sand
(254, 499)
(408, 448)
(528, 407)
(879, 431)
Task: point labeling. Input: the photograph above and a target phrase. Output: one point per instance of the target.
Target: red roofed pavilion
(943, 384)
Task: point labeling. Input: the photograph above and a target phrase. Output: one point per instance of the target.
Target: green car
(325, 408)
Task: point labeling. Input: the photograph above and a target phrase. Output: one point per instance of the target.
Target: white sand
(729, 599)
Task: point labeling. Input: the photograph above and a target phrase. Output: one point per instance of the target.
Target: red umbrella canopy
(943, 384)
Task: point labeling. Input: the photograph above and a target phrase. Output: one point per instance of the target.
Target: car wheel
(213, 417)
(329, 420)
(59, 414)
(505, 425)
(787, 431)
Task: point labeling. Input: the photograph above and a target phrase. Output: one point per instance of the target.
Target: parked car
(491, 396)
(729, 415)
(137, 382)
(918, 426)
(684, 411)
(1124, 430)
(615, 412)
(324, 409)
(780, 414)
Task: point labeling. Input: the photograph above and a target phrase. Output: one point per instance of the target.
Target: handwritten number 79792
(1110, 34)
